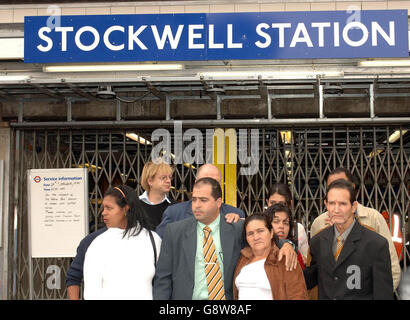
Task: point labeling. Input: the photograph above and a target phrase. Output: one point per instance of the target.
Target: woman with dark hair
(120, 263)
(280, 193)
(258, 274)
(283, 225)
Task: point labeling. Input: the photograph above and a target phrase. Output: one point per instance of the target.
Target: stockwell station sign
(216, 36)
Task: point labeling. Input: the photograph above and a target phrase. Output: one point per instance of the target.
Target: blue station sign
(216, 36)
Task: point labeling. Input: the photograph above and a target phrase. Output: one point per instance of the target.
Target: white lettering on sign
(107, 42)
(212, 44)
(336, 38)
(43, 37)
(281, 27)
(64, 31)
(231, 44)
(167, 34)
(268, 39)
(320, 26)
(301, 29)
(302, 34)
(192, 36)
(275, 34)
(353, 25)
(376, 28)
(87, 47)
(133, 37)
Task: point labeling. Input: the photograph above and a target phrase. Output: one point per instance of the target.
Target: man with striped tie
(348, 260)
(199, 254)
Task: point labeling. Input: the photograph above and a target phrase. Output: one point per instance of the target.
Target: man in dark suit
(183, 210)
(181, 268)
(348, 260)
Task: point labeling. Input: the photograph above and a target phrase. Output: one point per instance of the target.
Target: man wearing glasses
(156, 180)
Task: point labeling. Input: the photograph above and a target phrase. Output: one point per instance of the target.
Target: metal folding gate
(300, 156)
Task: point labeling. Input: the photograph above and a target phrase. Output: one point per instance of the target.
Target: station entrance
(301, 156)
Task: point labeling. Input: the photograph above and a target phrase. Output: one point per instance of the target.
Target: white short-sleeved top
(303, 244)
(252, 282)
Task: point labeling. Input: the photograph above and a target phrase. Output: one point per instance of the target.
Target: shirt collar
(346, 232)
(214, 225)
(144, 198)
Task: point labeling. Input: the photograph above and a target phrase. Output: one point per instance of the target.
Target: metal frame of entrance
(303, 162)
(321, 142)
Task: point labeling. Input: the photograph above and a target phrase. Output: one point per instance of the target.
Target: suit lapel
(326, 245)
(227, 236)
(349, 246)
(189, 249)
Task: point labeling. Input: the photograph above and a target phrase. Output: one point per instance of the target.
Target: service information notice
(58, 211)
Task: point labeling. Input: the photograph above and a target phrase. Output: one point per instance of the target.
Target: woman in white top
(120, 263)
(258, 274)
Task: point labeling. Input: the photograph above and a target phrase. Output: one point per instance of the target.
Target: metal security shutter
(301, 157)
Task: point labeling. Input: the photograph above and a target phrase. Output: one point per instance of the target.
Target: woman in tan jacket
(258, 274)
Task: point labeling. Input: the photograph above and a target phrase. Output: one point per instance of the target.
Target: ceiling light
(286, 136)
(14, 78)
(269, 74)
(396, 135)
(112, 67)
(385, 63)
(137, 138)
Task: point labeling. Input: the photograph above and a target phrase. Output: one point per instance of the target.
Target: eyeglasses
(165, 177)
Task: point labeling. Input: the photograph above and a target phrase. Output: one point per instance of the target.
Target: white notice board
(58, 211)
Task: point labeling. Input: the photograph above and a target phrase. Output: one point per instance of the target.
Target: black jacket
(362, 271)
(75, 272)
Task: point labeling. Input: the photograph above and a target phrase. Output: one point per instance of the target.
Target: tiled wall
(16, 13)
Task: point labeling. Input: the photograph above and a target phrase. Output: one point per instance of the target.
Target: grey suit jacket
(174, 275)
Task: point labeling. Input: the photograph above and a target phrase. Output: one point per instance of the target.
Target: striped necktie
(339, 247)
(214, 280)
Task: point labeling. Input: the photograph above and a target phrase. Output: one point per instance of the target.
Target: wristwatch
(288, 241)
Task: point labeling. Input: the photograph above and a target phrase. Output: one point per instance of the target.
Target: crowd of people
(204, 249)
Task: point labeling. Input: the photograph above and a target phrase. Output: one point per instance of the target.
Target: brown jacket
(285, 285)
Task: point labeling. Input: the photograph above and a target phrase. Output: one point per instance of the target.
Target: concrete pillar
(5, 135)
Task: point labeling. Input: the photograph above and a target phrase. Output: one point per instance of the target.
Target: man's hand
(232, 217)
(291, 258)
(328, 221)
